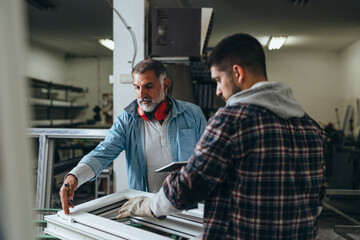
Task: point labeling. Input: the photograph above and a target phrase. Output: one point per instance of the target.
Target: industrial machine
(96, 219)
(180, 32)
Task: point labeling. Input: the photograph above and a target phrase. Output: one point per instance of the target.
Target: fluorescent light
(107, 43)
(276, 42)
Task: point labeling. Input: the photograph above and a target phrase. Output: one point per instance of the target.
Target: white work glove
(137, 206)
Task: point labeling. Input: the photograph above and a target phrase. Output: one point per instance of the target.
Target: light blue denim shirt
(186, 125)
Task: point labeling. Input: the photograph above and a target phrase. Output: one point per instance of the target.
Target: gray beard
(147, 107)
(150, 107)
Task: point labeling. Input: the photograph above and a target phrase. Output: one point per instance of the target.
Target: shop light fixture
(107, 43)
(276, 42)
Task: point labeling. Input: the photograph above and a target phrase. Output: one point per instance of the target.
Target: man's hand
(67, 193)
(137, 206)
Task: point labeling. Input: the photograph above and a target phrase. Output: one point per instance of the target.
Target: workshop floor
(328, 218)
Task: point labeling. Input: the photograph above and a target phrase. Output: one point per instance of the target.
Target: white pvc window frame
(80, 224)
(47, 137)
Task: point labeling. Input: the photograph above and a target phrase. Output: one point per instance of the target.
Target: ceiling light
(107, 43)
(276, 42)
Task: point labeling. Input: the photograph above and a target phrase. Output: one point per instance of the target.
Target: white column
(133, 13)
(17, 191)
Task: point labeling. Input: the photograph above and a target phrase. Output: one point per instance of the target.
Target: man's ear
(238, 73)
(167, 83)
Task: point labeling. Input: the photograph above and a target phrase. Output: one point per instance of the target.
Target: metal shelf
(36, 83)
(55, 122)
(52, 106)
(55, 103)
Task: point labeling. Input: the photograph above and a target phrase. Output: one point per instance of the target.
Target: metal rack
(204, 88)
(52, 104)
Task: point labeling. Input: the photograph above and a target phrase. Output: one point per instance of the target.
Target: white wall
(321, 81)
(350, 75)
(123, 53)
(91, 73)
(45, 64)
(315, 79)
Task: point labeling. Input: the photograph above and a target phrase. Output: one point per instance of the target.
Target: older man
(154, 130)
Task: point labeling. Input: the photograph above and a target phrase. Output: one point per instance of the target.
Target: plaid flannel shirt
(261, 176)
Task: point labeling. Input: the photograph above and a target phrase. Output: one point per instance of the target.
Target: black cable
(131, 33)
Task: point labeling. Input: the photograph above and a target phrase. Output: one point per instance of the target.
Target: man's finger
(123, 214)
(64, 200)
(66, 210)
(70, 203)
(65, 207)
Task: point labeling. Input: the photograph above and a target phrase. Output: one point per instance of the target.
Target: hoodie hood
(274, 96)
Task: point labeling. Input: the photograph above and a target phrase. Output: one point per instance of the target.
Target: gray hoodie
(274, 96)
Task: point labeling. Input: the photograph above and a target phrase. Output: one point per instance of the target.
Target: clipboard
(171, 167)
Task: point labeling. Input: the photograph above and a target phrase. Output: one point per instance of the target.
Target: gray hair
(159, 69)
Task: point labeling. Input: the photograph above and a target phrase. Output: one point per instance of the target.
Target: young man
(259, 164)
(154, 130)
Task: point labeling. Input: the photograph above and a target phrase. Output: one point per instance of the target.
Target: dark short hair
(241, 49)
(150, 64)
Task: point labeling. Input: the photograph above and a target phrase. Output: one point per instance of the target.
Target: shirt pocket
(187, 142)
